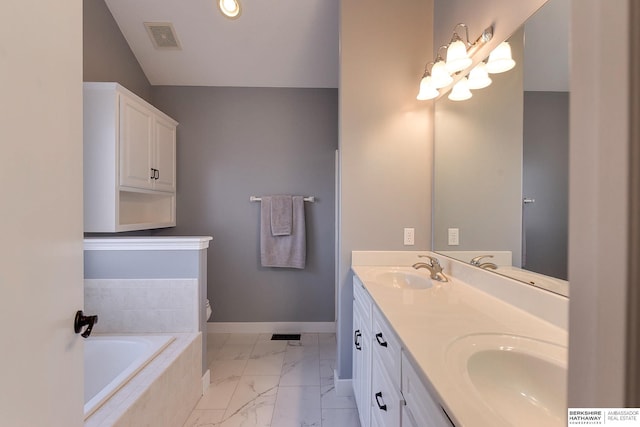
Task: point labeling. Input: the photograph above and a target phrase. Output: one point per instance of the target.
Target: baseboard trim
(271, 327)
(343, 387)
(206, 380)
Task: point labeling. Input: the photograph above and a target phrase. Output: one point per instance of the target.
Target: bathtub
(110, 361)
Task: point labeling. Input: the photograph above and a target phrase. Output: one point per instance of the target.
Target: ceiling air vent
(163, 35)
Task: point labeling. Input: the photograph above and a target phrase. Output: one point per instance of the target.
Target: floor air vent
(285, 337)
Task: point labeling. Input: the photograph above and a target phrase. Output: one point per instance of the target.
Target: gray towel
(283, 251)
(281, 215)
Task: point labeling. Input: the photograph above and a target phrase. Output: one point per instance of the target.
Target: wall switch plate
(454, 236)
(409, 236)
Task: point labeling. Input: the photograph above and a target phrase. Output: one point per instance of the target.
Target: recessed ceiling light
(230, 8)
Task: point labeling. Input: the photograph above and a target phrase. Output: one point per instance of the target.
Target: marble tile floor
(256, 382)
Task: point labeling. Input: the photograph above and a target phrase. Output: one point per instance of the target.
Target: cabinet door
(165, 155)
(385, 397)
(136, 144)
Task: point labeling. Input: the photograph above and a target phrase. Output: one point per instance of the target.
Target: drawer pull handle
(379, 399)
(380, 340)
(357, 335)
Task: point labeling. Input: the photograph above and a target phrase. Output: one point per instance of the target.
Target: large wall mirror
(501, 161)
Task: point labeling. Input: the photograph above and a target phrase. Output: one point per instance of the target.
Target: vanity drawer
(386, 401)
(386, 346)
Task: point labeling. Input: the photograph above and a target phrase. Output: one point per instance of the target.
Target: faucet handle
(434, 261)
(476, 260)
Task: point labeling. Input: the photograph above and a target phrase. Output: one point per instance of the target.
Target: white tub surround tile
(298, 406)
(143, 305)
(162, 394)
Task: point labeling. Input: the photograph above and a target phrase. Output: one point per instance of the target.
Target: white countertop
(428, 321)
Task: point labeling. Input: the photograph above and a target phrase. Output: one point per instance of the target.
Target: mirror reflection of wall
(507, 143)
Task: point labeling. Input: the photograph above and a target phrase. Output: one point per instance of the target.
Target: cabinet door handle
(357, 335)
(153, 173)
(380, 340)
(157, 174)
(382, 406)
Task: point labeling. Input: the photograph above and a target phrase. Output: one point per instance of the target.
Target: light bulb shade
(427, 91)
(479, 77)
(229, 8)
(500, 59)
(457, 57)
(460, 91)
(440, 77)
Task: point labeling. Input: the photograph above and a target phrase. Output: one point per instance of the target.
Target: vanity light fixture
(500, 59)
(427, 90)
(457, 56)
(479, 78)
(460, 91)
(230, 8)
(440, 77)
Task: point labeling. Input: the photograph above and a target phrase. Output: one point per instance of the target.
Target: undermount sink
(522, 380)
(401, 279)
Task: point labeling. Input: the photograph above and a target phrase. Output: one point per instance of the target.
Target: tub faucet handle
(81, 321)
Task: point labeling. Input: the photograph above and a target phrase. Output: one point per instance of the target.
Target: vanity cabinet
(388, 390)
(361, 352)
(420, 409)
(129, 161)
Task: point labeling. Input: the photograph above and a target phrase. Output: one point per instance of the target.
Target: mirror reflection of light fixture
(457, 56)
(460, 91)
(479, 77)
(229, 8)
(427, 90)
(500, 59)
(440, 77)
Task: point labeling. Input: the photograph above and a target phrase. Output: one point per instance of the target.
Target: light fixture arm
(457, 37)
(438, 56)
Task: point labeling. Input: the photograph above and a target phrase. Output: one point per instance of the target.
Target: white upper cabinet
(147, 147)
(129, 161)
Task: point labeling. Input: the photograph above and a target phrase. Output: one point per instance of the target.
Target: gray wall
(546, 179)
(106, 54)
(478, 165)
(237, 142)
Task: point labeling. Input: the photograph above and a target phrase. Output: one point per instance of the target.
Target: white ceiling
(274, 43)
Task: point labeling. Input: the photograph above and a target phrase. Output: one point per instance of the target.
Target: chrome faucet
(433, 266)
(476, 261)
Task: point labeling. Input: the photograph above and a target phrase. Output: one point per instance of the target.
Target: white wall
(598, 202)
(385, 138)
(41, 251)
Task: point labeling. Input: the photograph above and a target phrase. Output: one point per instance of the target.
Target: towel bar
(259, 199)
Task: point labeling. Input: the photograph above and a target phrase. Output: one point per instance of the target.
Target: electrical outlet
(454, 236)
(409, 236)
